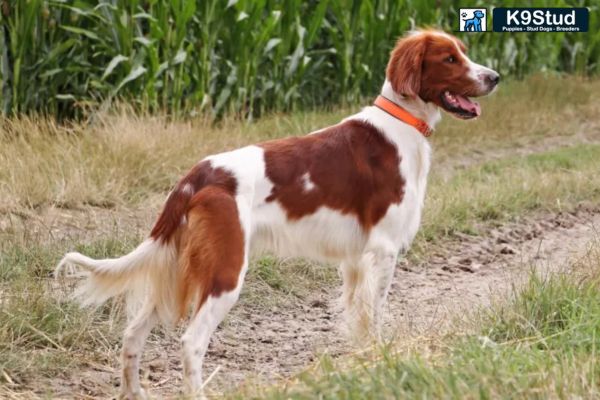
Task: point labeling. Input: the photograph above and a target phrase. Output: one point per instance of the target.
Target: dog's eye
(450, 59)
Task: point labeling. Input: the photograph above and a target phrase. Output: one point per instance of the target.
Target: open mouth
(460, 106)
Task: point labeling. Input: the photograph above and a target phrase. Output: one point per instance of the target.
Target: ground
(516, 190)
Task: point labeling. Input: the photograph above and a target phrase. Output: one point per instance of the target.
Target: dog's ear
(406, 63)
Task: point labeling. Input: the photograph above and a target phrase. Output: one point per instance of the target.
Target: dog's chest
(402, 221)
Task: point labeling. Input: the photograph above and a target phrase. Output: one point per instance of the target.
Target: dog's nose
(492, 79)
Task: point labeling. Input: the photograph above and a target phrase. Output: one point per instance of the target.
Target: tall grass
(114, 162)
(242, 56)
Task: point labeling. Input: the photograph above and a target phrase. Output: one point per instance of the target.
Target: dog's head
(478, 14)
(434, 66)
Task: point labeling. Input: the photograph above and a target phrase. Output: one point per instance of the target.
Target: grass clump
(558, 313)
(498, 190)
(273, 281)
(42, 331)
(44, 334)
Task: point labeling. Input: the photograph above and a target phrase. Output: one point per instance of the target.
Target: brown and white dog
(350, 193)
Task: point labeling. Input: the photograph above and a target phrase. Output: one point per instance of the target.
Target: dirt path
(266, 344)
(470, 273)
(261, 344)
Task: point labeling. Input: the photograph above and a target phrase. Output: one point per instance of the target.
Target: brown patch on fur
(212, 247)
(405, 65)
(419, 65)
(354, 168)
(440, 75)
(177, 204)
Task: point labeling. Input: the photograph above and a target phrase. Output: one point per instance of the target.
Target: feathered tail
(148, 273)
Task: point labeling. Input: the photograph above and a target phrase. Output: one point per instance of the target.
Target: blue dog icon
(474, 24)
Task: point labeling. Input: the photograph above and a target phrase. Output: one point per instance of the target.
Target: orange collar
(400, 113)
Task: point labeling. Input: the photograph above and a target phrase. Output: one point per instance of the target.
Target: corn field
(66, 58)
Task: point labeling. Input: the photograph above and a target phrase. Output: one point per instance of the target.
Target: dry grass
(123, 159)
(497, 190)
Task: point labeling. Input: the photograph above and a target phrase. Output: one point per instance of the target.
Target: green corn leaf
(133, 75)
(143, 41)
(271, 44)
(118, 59)
(144, 15)
(80, 31)
(179, 57)
(51, 73)
(240, 55)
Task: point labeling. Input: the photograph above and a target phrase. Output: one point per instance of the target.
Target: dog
(474, 24)
(351, 193)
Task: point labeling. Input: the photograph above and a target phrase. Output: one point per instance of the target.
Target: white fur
(367, 276)
(149, 270)
(307, 184)
(306, 237)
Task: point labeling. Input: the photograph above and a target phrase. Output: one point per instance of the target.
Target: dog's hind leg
(133, 342)
(214, 262)
(197, 336)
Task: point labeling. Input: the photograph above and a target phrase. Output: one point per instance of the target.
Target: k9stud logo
(472, 19)
(574, 19)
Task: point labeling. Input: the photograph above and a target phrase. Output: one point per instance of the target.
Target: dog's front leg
(366, 285)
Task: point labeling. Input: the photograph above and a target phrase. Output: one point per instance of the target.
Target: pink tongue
(468, 105)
